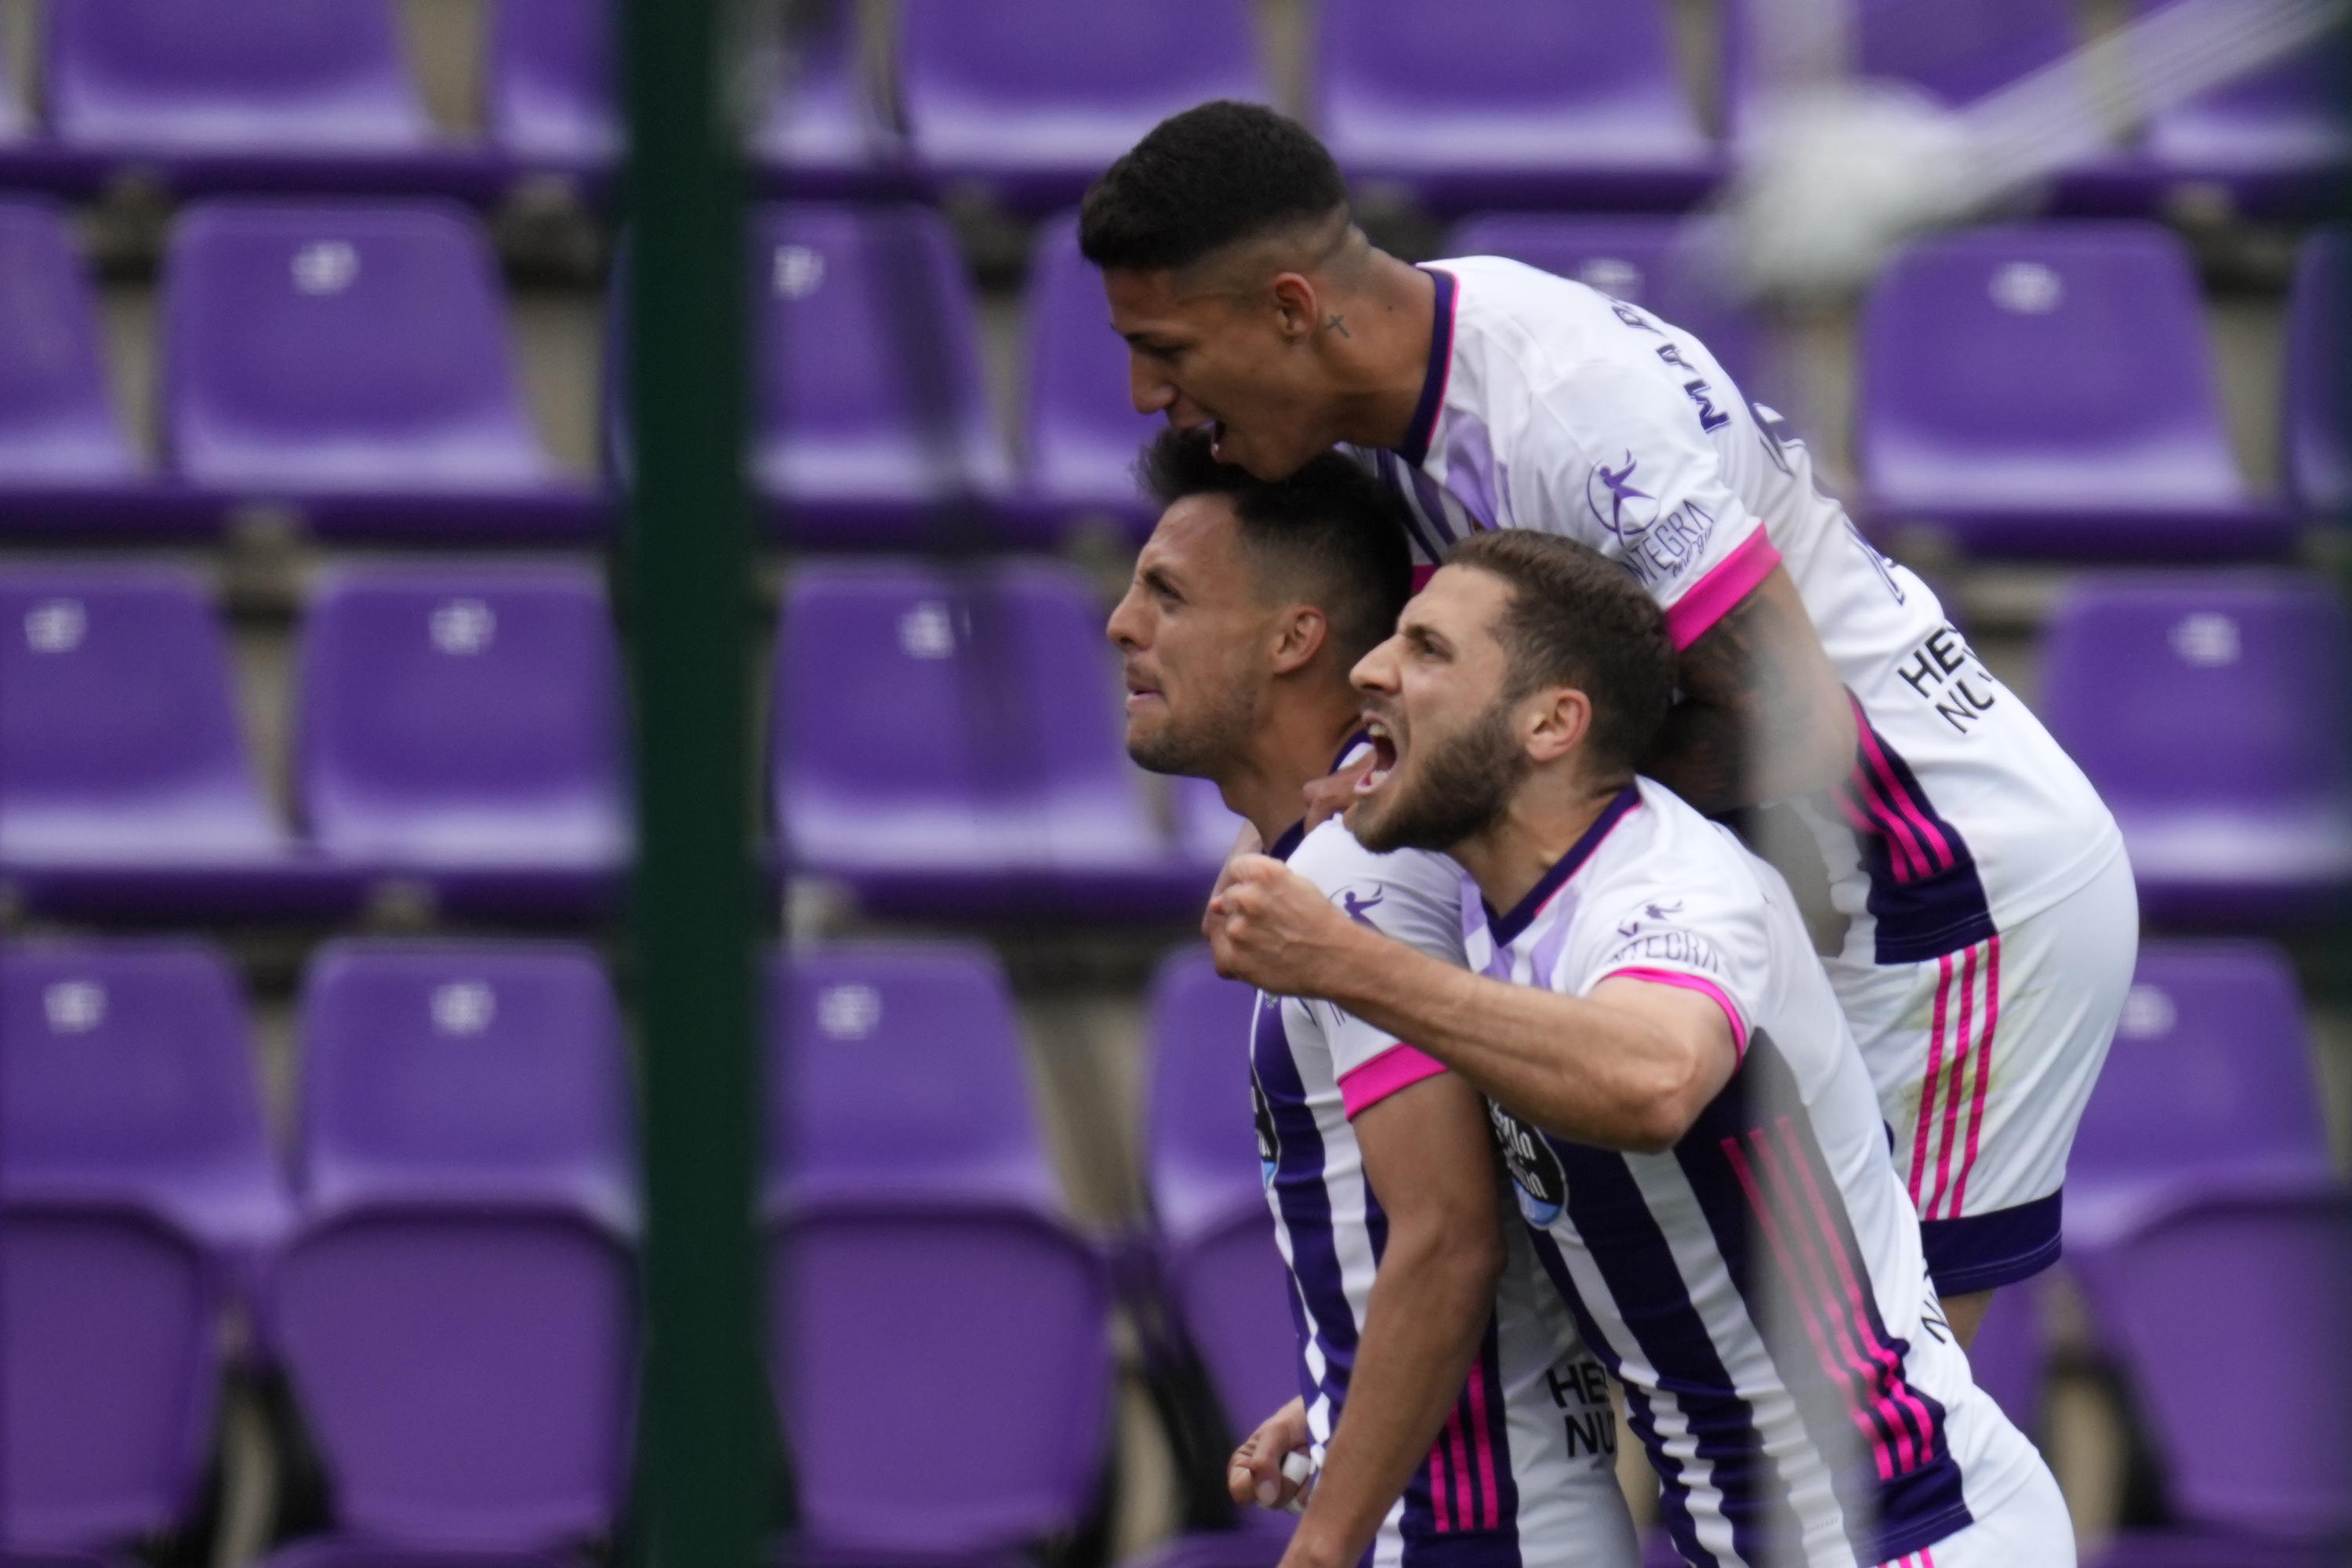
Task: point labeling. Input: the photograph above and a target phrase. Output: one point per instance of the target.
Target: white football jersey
(1524, 1471)
(1760, 1288)
(1552, 407)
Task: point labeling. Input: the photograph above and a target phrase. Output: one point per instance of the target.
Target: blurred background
(319, 1190)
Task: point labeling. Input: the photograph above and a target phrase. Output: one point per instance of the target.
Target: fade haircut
(1577, 618)
(1330, 534)
(1205, 179)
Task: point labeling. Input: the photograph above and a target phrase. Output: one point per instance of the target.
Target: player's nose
(1123, 628)
(1375, 673)
(1151, 391)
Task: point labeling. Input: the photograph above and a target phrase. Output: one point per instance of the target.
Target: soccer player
(1692, 1133)
(1992, 923)
(1448, 1406)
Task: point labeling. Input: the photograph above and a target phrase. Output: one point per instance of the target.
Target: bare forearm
(1572, 1067)
(1429, 1305)
(1722, 758)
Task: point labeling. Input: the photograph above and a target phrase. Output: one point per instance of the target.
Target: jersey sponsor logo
(1535, 1174)
(1618, 504)
(1945, 673)
(1359, 909)
(1579, 1389)
(1645, 943)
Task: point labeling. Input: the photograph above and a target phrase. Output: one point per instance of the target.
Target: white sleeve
(1628, 468)
(1708, 940)
(1413, 897)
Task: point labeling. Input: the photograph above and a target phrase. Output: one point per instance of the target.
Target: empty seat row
(444, 1270)
(943, 741)
(2043, 390)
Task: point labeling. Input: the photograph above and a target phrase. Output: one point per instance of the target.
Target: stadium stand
(2212, 716)
(1460, 123)
(922, 1257)
(458, 1308)
(301, 635)
(137, 1190)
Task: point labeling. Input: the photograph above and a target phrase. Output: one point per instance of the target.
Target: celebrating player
(1447, 1404)
(1692, 1133)
(1992, 922)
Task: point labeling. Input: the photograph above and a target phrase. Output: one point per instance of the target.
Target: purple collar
(1414, 448)
(1506, 929)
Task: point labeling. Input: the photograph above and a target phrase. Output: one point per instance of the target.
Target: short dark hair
(1203, 180)
(1577, 618)
(1332, 530)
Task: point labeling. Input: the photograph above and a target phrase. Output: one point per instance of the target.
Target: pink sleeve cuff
(1689, 982)
(1399, 1066)
(1732, 579)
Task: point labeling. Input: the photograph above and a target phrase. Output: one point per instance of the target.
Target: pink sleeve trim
(1732, 579)
(1398, 1067)
(1689, 982)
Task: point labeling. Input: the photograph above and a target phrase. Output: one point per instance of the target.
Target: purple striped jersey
(1758, 1289)
(1523, 1471)
(1547, 405)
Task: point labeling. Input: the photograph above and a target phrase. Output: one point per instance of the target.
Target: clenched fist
(1274, 929)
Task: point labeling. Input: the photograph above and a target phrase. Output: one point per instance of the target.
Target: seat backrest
(231, 76)
(2065, 365)
(1197, 1136)
(2226, 692)
(1954, 51)
(1644, 261)
(459, 1314)
(58, 422)
(2254, 1293)
(136, 1176)
(920, 1242)
(896, 1070)
(867, 354)
(118, 737)
(341, 347)
(2060, 365)
(465, 717)
(2287, 114)
(1495, 57)
(550, 85)
(1053, 81)
(2318, 384)
(1084, 433)
(965, 721)
(2210, 1072)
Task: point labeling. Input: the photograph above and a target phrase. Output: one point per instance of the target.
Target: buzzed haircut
(1577, 618)
(1212, 176)
(1330, 534)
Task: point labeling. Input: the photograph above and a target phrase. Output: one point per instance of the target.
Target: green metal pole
(704, 1447)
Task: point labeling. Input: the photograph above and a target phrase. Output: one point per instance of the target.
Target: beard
(1202, 746)
(1462, 786)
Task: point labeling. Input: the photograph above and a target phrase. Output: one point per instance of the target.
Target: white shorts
(1984, 1059)
(2032, 1530)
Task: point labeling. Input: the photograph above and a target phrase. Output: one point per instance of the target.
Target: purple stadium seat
(1219, 1259)
(120, 752)
(1032, 98)
(2319, 384)
(549, 83)
(2200, 1549)
(466, 725)
(2228, 1313)
(2277, 144)
(950, 742)
(1953, 52)
(1644, 261)
(921, 1245)
(286, 80)
(137, 1186)
(1258, 1543)
(58, 422)
(2051, 391)
(872, 424)
(375, 1554)
(1511, 102)
(1084, 435)
(457, 1313)
(2212, 717)
(820, 134)
(2010, 1354)
(340, 351)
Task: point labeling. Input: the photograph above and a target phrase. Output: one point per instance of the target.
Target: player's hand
(1244, 845)
(1255, 1474)
(1274, 929)
(1327, 797)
